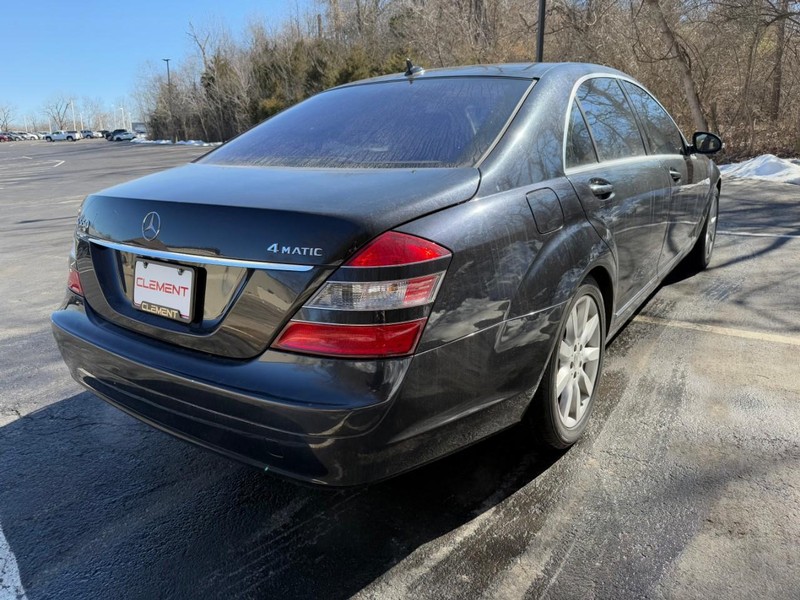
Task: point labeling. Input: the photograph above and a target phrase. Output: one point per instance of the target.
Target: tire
(70, 139)
(576, 364)
(48, 139)
(700, 256)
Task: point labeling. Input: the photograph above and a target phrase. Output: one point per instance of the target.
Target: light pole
(122, 126)
(72, 104)
(540, 33)
(169, 101)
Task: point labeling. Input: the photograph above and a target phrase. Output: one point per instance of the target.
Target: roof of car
(519, 70)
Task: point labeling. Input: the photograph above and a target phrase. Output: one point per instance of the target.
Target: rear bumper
(324, 421)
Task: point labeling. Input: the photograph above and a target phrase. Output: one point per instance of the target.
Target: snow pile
(197, 143)
(140, 140)
(181, 143)
(766, 166)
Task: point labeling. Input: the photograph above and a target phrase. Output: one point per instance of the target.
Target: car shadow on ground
(95, 504)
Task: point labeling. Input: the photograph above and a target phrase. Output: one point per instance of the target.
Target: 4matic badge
(298, 250)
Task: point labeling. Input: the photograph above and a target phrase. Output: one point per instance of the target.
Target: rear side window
(579, 150)
(660, 130)
(610, 118)
(437, 122)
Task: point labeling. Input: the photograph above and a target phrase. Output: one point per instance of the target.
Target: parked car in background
(12, 136)
(110, 134)
(4, 138)
(122, 135)
(60, 135)
(390, 272)
(103, 133)
(87, 134)
(24, 135)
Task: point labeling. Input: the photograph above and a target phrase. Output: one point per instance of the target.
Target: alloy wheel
(578, 361)
(711, 228)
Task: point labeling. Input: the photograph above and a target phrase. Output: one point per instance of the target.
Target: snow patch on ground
(766, 166)
(181, 143)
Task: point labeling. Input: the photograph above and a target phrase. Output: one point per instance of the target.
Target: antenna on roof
(412, 69)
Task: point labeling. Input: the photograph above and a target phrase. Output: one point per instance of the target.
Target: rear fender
(503, 268)
(492, 327)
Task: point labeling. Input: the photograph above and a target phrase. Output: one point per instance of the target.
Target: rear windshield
(445, 122)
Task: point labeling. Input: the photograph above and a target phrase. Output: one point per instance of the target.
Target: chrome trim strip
(196, 258)
(617, 161)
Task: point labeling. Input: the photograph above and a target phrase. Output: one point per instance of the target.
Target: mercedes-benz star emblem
(151, 226)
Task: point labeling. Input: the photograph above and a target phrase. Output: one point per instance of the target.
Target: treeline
(729, 66)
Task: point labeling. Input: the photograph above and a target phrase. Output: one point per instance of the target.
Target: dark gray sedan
(390, 270)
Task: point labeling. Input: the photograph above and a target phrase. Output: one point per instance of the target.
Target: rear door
(687, 174)
(624, 192)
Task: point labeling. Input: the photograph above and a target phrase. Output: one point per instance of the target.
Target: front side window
(437, 122)
(659, 128)
(579, 150)
(610, 119)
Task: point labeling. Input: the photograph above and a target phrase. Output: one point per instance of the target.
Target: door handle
(601, 188)
(676, 176)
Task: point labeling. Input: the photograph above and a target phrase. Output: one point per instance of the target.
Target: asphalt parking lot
(687, 484)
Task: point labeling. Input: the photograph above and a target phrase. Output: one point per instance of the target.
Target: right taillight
(375, 305)
(73, 278)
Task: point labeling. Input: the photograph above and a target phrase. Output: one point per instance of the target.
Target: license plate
(164, 290)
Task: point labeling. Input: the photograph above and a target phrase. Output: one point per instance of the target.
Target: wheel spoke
(590, 354)
(564, 351)
(586, 306)
(572, 332)
(588, 384)
(580, 407)
(565, 401)
(589, 329)
(575, 411)
(561, 380)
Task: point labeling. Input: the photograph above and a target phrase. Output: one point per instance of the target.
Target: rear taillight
(73, 278)
(74, 282)
(393, 339)
(375, 305)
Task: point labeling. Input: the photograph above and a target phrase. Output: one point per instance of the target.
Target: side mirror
(706, 143)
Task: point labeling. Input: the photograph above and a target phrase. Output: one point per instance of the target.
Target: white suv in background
(57, 136)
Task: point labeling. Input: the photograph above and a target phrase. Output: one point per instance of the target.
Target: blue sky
(97, 49)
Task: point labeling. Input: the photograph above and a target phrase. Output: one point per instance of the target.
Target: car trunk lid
(256, 241)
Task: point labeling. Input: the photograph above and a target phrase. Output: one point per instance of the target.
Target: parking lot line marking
(748, 234)
(762, 336)
(10, 583)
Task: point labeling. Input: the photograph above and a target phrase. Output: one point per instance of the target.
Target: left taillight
(73, 278)
(375, 305)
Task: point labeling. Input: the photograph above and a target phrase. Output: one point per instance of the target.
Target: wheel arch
(603, 278)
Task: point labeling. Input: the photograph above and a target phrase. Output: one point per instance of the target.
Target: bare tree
(92, 111)
(780, 45)
(679, 53)
(6, 115)
(56, 109)
(733, 65)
